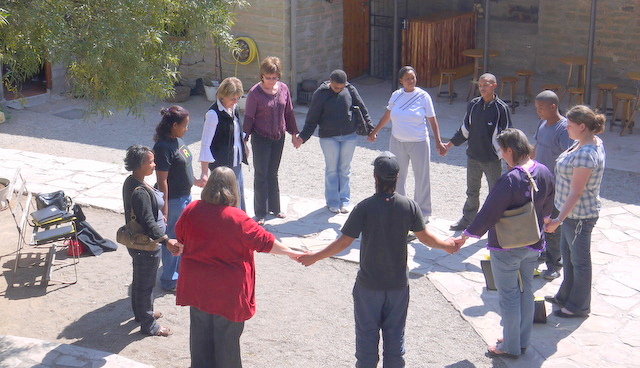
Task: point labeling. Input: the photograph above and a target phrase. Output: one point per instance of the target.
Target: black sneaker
(550, 275)
(459, 226)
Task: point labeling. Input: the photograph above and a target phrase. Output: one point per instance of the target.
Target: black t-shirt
(383, 220)
(173, 155)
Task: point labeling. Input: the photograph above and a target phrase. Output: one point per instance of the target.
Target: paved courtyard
(608, 338)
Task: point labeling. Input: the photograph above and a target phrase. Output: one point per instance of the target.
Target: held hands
(308, 258)
(372, 137)
(175, 247)
(296, 141)
(550, 225)
(200, 183)
(454, 245)
(442, 149)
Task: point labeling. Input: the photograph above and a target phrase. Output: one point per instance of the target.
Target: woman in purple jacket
(268, 114)
(511, 191)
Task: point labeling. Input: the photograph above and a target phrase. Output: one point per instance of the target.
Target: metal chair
(53, 238)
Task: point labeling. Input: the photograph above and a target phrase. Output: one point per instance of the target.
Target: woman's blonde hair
(271, 65)
(582, 114)
(221, 188)
(231, 86)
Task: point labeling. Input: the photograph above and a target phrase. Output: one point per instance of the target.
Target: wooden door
(355, 44)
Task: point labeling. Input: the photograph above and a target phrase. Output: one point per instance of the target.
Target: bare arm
(578, 183)
(386, 117)
(428, 238)
(204, 167)
(163, 186)
(435, 128)
(280, 249)
(337, 246)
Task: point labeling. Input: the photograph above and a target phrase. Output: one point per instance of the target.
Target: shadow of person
(107, 328)
(310, 224)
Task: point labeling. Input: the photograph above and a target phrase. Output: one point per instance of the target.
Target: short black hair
(135, 156)
(338, 76)
(404, 70)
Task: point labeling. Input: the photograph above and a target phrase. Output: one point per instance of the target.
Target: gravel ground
(304, 315)
(304, 318)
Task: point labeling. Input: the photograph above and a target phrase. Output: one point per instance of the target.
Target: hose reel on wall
(245, 54)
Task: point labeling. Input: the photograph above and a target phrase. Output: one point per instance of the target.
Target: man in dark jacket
(331, 109)
(487, 116)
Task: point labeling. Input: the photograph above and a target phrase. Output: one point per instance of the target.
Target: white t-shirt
(408, 114)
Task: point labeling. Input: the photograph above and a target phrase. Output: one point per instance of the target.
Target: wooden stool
(512, 82)
(579, 95)
(604, 90)
(450, 93)
(555, 87)
(527, 74)
(623, 104)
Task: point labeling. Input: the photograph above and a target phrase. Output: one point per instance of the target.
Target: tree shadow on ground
(108, 328)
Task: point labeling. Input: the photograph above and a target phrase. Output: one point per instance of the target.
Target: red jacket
(217, 271)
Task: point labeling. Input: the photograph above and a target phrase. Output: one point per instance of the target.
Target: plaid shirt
(591, 157)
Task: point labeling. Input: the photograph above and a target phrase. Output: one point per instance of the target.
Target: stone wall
(266, 22)
(319, 30)
(562, 30)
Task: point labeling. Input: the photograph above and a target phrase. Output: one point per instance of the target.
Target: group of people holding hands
(207, 246)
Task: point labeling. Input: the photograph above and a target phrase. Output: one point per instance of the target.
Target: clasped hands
(296, 141)
(440, 147)
(175, 247)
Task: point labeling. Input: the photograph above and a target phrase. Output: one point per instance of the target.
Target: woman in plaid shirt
(578, 177)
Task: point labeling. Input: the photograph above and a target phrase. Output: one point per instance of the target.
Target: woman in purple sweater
(268, 114)
(511, 191)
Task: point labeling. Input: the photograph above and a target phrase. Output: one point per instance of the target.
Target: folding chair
(52, 238)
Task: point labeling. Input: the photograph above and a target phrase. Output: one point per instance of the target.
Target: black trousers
(214, 341)
(145, 268)
(267, 154)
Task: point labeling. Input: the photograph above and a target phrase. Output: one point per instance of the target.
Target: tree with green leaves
(119, 53)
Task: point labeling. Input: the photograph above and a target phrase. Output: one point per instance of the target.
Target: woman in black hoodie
(331, 109)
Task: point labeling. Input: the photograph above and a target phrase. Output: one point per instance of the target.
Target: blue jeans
(516, 307)
(169, 275)
(145, 269)
(376, 310)
(575, 244)
(338, 152)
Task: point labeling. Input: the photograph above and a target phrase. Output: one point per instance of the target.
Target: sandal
(260, 221)
(164, 331)
(281, 215)
(499, 340)
(493, 352)
(157, 314)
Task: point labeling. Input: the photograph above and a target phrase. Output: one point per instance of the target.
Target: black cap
(385, 166)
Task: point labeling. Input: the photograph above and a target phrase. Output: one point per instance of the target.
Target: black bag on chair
(56, 198)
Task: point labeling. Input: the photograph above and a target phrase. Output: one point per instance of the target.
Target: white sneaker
(334, 209)
(344, 210)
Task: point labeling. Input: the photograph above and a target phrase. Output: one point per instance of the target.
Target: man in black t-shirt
(381, 291)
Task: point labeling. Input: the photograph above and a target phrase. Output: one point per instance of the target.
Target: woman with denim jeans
(331, 109)
(174, 174)
(579, 173)
(510, 265)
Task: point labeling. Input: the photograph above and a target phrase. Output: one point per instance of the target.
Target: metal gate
(381, 44)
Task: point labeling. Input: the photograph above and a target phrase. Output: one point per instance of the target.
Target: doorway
(355, 44)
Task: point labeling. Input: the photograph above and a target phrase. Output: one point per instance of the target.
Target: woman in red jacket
(217, 271)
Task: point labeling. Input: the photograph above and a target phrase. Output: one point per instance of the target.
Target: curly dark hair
(135, 156)
(171, 115)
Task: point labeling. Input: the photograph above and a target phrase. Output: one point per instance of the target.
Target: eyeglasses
(270, 78)
(233, 99)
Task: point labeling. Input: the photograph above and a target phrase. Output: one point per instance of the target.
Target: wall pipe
(485, 54)
(293, 78)
(592, 34)
(396, 46)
